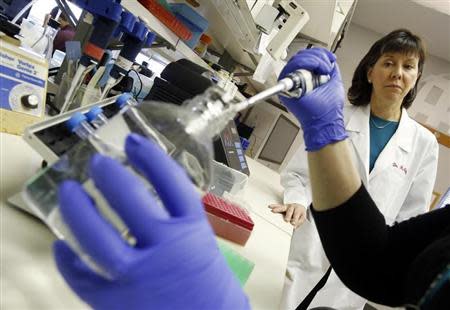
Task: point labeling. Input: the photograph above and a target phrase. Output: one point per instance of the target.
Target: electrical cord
(140, 81)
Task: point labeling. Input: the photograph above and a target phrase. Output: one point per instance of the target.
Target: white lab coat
(401, 184)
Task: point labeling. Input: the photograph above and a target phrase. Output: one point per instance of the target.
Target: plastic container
(226, 179)
(167, 18)
(202, 45)
(196, 23)
(228, 220)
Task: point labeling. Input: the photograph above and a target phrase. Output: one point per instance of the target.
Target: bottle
(202, 45)
(184, 132)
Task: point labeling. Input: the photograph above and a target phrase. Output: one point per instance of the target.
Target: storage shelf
(181, 48)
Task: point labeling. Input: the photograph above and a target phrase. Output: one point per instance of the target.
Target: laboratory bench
(30, 280)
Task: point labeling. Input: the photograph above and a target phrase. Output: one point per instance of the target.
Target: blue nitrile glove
(176, 263)
(319, 112)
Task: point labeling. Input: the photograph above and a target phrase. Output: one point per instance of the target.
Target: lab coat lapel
(358, 129)
(398, 146)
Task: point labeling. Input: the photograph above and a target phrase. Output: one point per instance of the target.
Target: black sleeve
(369, 257)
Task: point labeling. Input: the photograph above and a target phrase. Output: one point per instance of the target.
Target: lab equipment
(23, 80)
(196, 23)
(133, 42)
(322, 123)
(107, 17)
(279, 141)
(239, 21)
(128, 23)
(202, 45)
(228, 149)
(167, 18)
(141, 84)
(291, 20)
(241, 266)
(226, 180)
(30, 31)
(79, 125)
(228, 220)
(44, 45)
(143, 277)
(293, 84)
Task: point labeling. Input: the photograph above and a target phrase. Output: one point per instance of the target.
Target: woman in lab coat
(396, 158)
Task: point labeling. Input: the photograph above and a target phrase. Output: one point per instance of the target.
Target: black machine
(182, 80)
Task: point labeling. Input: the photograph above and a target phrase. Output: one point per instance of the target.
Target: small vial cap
(93, 113)
(206, 39)
(151, 36)
(122, 100)
(127, 21)
(74, 121)
(140, 30)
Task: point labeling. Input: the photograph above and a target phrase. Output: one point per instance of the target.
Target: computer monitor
(279, 141)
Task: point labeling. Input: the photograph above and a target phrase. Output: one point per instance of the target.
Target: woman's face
(393, 76)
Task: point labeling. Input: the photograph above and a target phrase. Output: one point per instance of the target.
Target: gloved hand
(319, 112)
(175, 264)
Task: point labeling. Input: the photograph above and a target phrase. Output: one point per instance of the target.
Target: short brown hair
(398, 41)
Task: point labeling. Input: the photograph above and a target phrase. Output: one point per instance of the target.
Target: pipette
(107, 17)
(215, 108)
(295, 84)
(133, 42)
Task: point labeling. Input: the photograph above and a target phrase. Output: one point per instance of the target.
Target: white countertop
(30, 280)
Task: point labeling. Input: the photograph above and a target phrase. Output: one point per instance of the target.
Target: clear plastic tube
(96, 117)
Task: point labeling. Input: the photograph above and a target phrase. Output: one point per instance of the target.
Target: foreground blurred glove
(320, 112)
(175, 264)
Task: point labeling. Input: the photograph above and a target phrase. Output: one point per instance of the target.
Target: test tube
(124, 100)
(96, 117)
(78, 124)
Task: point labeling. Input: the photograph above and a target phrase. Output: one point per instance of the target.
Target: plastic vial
(96, 117)
(124, 100)
(79, 125)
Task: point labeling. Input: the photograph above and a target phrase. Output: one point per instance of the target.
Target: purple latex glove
(175, 264)
(319, 112)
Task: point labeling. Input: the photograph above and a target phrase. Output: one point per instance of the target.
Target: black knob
(30, 101)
